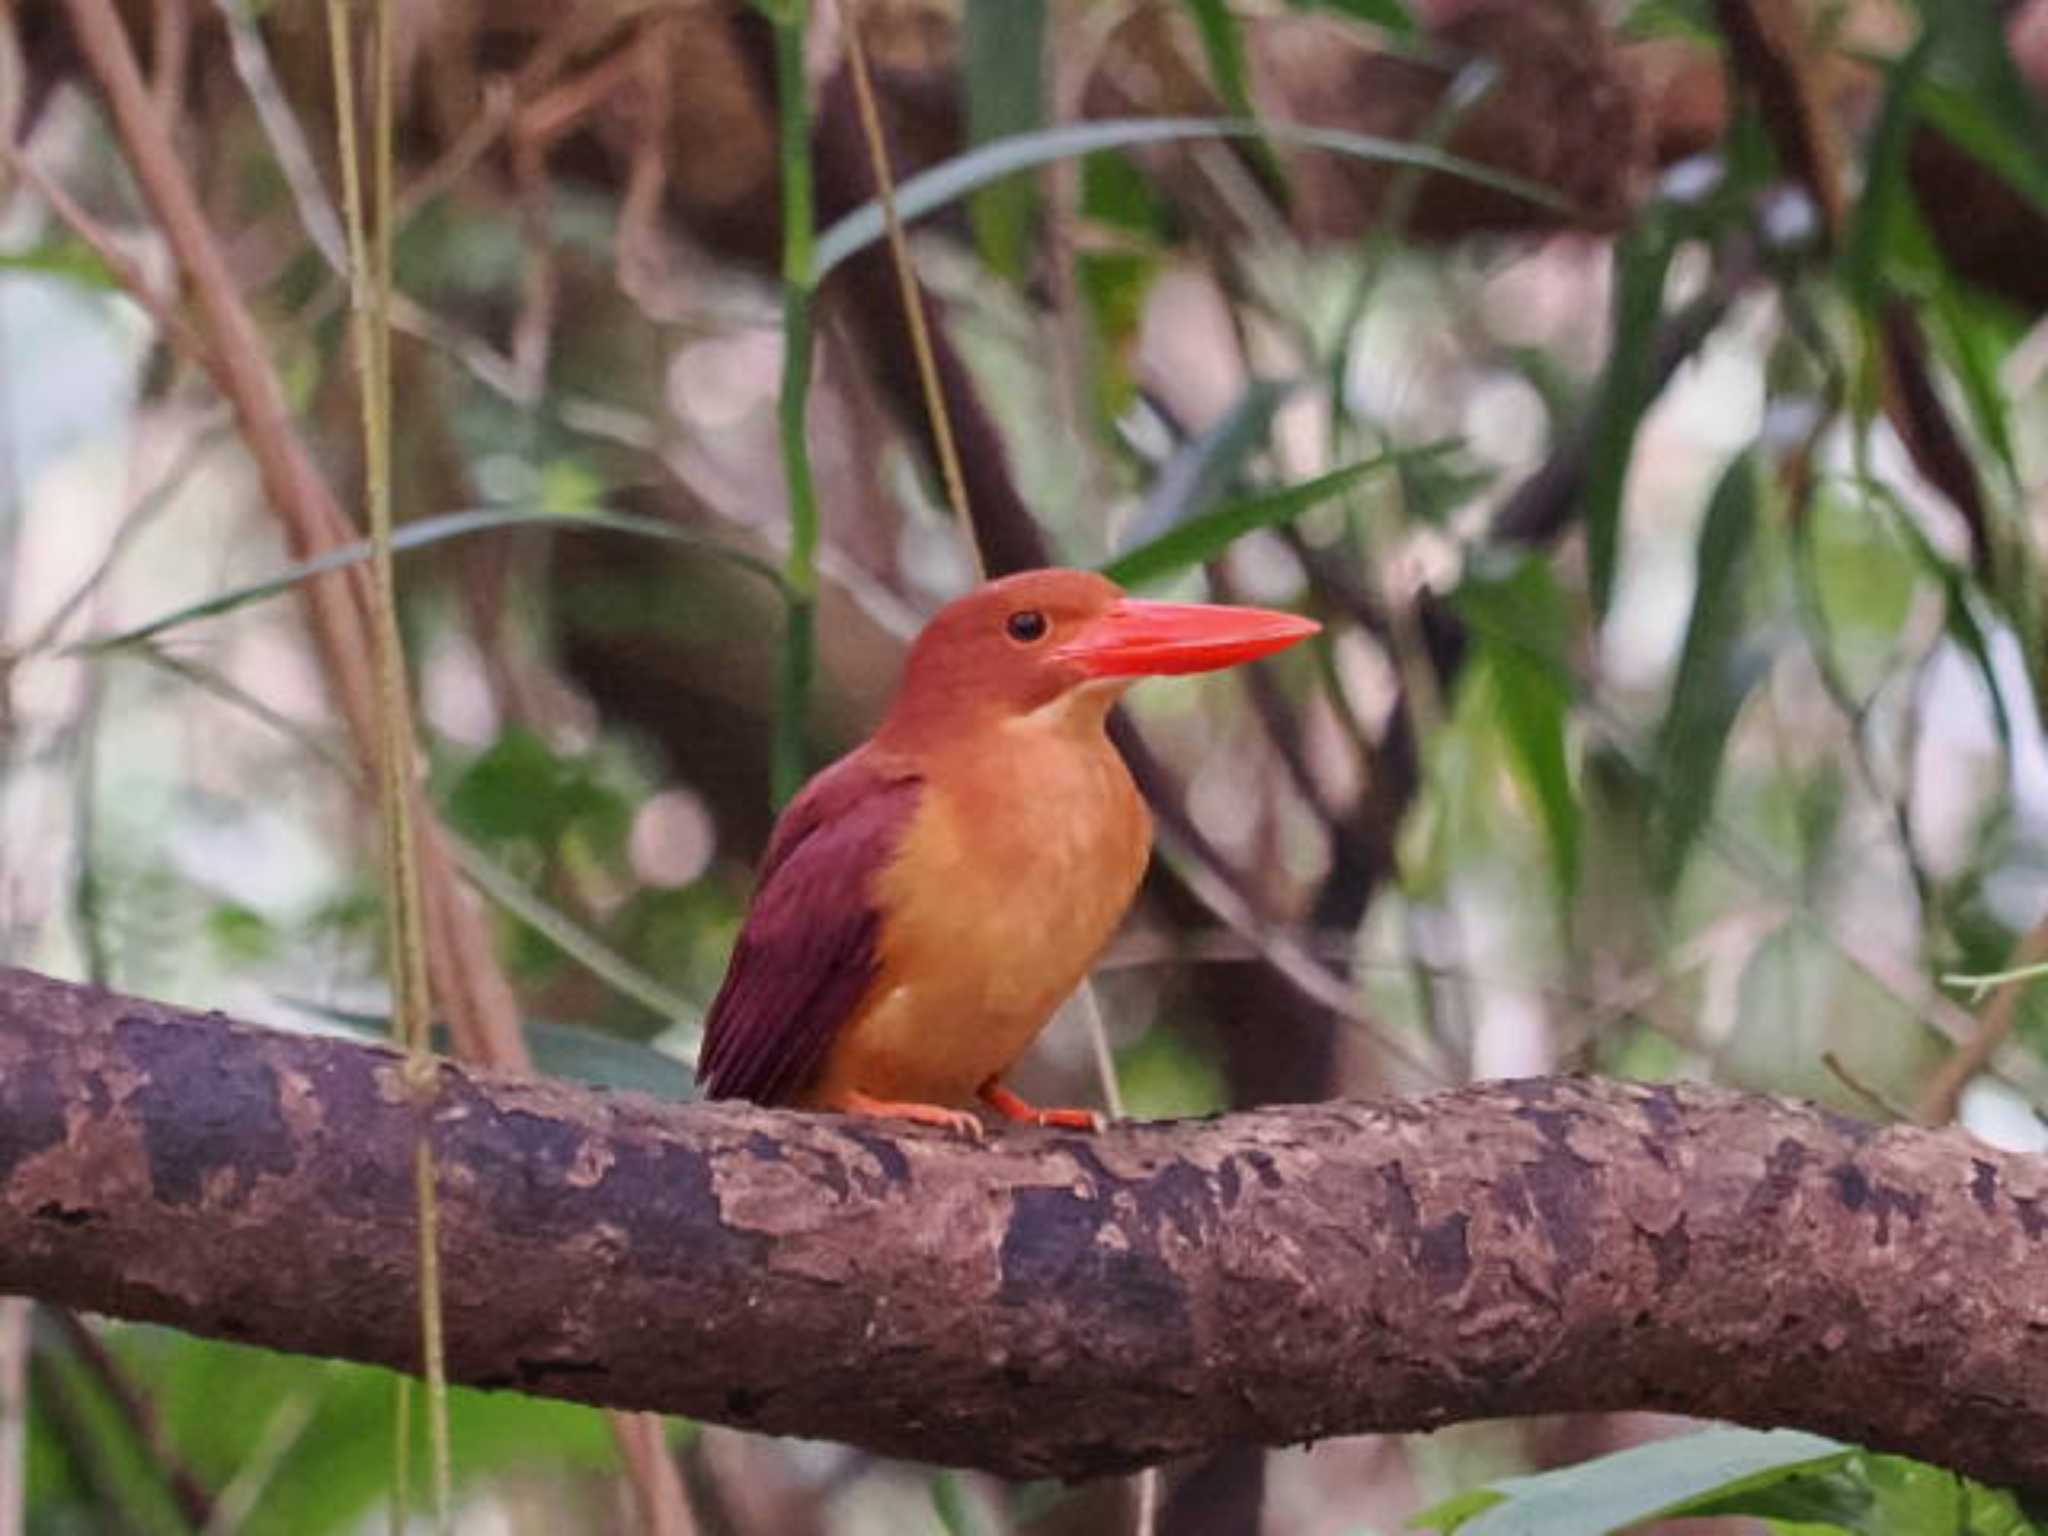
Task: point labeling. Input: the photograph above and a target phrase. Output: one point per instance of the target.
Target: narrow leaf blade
(941, 184)
(1643, 263)
(1872, 226)
(417, 535)
(1981, 101)
(1716, 671)
(1203, 538)
(1614, 1493)
(1004, 66)
(1524, 632)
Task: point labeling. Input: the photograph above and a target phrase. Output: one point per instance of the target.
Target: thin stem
(1098, 1046)
(370, 292)
(401, 1456)
(906, 282)
(1944, 1091)
(139, 1417)
(798, 289)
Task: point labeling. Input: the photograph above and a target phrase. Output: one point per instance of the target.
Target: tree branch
(1047, 1302)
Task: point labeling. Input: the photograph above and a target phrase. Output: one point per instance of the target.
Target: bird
(928, 901)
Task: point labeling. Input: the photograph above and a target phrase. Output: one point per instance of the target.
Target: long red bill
(1136, 638)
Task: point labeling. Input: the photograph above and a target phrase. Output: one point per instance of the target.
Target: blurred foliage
(1794, 1483)
(1678, 712)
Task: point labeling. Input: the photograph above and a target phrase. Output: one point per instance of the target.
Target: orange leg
(1010, 1107)
(852, 1102)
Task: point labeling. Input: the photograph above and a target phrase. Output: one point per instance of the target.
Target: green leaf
(511, 790)
(1874, 223)
(241, 935)
(1889, 251)
(65, 258)
(963, 173)
(1975, 353)
(1202, 539)
(1828, 1500)
(1716, 671)
(1915, 1497)
(1687, 19)
(1033, 1501)
(1452, 1513)
(1525, 636)
(1113, 287)
(417, 535)
(118, 1476)
(1995, 1512)
(1959, 613)
(1223, 47)
(1979, 99)
(1390, 14)
(1116, 193)
(1642, 264)
(1648, 1482)
(950, 1504)
(1165, 1077)
(1004, 68)
(318, 1434)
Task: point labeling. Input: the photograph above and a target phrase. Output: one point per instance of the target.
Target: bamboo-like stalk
(370, 284)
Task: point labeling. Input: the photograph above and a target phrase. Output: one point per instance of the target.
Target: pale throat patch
(1081, 706)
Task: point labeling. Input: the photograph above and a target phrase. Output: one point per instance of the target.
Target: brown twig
(2001, 1013)
(57, 1407)
(181, 337)
(139, 1415)
(171, 53)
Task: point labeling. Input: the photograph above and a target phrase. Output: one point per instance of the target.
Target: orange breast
(1018, 867)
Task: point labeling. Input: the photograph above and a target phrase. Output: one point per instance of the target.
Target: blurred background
(1648, 398)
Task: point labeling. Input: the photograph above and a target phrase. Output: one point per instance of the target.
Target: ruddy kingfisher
(930, 899)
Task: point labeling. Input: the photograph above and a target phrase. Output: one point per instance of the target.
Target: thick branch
(1049, 1302)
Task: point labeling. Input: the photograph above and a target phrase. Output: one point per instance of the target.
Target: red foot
(959, 1120)
(1010, 1107)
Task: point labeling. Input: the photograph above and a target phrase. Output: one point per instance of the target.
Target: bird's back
(809, 950)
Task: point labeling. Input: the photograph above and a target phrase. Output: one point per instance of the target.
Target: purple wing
(808, 950)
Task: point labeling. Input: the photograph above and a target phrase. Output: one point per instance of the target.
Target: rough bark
(1046, 1303)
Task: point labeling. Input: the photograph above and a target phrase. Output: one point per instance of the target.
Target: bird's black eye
(1026, 625)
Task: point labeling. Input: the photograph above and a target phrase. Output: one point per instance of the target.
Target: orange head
(1016, 645)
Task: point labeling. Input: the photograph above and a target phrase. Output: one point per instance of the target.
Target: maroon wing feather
(808, 949)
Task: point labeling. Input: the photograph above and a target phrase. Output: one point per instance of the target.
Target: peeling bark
(1048, 1303)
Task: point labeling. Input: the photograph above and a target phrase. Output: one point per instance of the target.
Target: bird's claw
(1010, 1107)
(961, 1121)
(1072, 1119)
